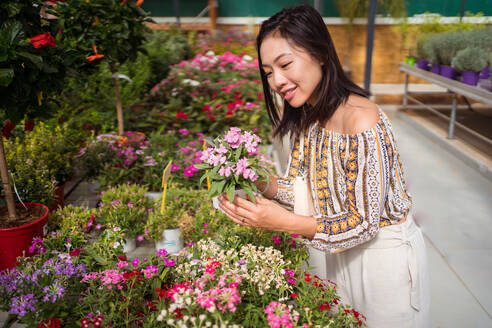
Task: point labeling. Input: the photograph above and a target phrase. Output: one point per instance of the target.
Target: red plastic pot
(13, 241)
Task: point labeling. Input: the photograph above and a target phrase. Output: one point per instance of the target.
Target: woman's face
(291, 71)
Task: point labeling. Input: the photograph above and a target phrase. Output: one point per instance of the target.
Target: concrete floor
(452, 205)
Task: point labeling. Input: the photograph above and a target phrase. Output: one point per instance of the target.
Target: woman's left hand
(264, 214)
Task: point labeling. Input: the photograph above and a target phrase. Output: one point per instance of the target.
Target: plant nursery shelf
(454, 87)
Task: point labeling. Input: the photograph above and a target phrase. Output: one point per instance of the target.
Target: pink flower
(161, 252)
(130, 205)
(98, 227)
(174, 167)
(184, 132)
(241, 166)
(135, 262)
(205, 225)
(140, 238)
(225, 171)
(170, 262)
(205, 231)
(122, 264)
(188, 172)
(233, 137)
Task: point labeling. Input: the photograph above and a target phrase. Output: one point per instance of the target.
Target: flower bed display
(221, 278)
(211, 93)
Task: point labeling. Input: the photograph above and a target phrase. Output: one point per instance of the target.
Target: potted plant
(422, 51)
(125, 208)
(470, 62)
(32, 70)
(108, 31)
(447, 45)
(54, 148)
(233, 164)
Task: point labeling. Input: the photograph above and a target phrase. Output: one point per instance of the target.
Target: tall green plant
(106, 30)
(32, 68)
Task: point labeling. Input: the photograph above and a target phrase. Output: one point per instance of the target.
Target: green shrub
(32, 185)
(165, 48)
(447, 45)
(54, 147)
(470, 59)
(422, 47)
(481, 38)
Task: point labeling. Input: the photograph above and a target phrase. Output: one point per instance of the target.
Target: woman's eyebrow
(277, 58)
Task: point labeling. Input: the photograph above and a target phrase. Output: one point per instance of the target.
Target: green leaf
(6, 76)
(220, 186)
(202, 166)
(231, 188)
(36, 60)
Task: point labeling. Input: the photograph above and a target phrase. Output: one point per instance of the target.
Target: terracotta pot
(14, 241)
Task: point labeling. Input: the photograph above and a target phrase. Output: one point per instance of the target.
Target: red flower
(7, 128)
(90, 223)
(206, 108)
(75, 252)
(139, 3)
(42, 40)
(28, 125)
(181, 115)
(121, 258)
(95, 56)
(259, 95)
(294, 295)
(229, 113)
(50, 323)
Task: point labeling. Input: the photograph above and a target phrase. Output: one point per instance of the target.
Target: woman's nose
(279, 81)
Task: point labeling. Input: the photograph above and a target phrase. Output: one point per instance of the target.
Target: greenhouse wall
(389, 49)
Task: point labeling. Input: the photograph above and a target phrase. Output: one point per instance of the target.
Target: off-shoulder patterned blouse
(357, 183)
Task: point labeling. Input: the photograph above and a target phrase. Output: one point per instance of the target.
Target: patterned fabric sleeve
(285, 184)
(367, 168)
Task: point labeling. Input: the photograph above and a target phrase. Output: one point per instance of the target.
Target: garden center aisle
(452, 206)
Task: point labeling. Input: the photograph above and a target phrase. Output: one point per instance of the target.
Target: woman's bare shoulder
(360, 114)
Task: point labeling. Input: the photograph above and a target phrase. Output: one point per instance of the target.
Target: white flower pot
(155, 195)
(129, 245)
(171, 241)
(237, 193)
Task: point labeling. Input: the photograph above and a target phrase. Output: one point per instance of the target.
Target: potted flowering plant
(32, 70)
(233, 162)
(166, 226)
(126, 207)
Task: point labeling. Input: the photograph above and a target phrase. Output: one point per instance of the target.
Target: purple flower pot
(470, 78)
(485, 72)
(436, 68)
(448, 71)
(423, 64)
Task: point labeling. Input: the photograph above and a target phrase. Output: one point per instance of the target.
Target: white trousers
(386, 279)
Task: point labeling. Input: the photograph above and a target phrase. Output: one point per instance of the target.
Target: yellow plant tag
(40, 98)
(165, 176)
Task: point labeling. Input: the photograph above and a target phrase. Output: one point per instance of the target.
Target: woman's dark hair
(303, 27)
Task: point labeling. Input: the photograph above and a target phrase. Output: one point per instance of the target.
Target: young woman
(344, 147)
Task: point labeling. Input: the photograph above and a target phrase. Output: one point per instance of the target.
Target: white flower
(193, 83)
(202, 317)
(160, 318)
(210, 53)
(247, 58)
